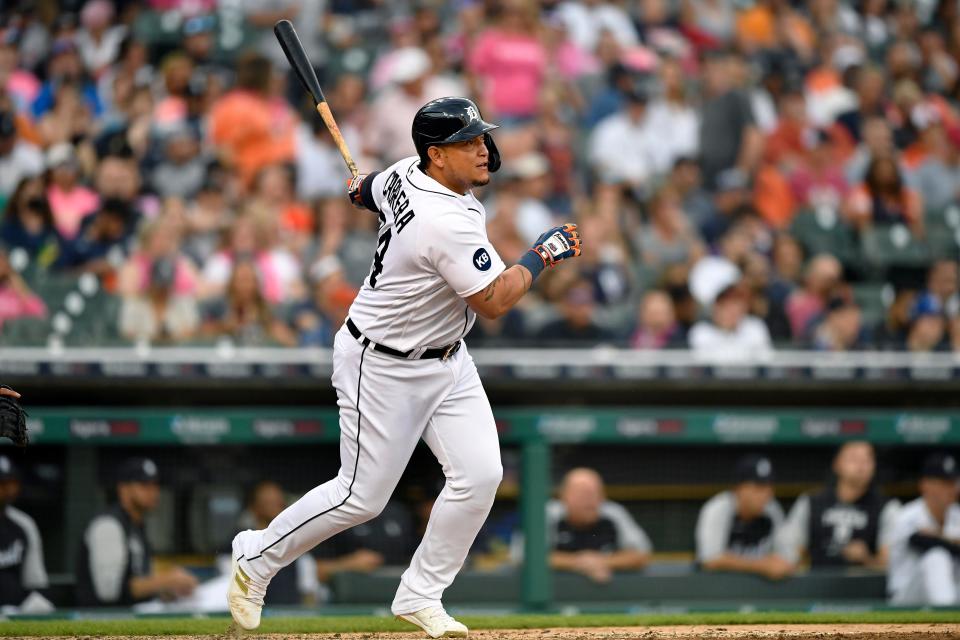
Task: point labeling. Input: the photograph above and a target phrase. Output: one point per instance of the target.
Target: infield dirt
(731, 632)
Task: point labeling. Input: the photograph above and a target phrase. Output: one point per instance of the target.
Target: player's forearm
(145, 586)
(731, 562)
(563, 560)
(627, 559)
(499, 296)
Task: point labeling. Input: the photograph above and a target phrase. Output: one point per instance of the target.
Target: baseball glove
(13, 419)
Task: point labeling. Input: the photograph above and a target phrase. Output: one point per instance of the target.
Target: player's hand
(353, 190)
(7, 391)
(777, 568)
(558, 244)
(366, 560)
(594, 565)
(856, 552)
(179, 582)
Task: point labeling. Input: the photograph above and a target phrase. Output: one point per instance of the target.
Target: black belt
(437, 352)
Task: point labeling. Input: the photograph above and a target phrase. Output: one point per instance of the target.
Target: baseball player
(402, 372)
(925, 543)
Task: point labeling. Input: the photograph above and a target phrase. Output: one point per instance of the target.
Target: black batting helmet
(451, 119)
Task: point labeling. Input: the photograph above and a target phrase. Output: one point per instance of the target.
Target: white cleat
(436, 622)
(244, 597)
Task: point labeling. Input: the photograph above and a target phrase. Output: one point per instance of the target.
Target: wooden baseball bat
(293, 49)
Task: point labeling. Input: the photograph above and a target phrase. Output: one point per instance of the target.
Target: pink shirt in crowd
(15, 305)
(512, 67)
(70, 208)
(184, 277)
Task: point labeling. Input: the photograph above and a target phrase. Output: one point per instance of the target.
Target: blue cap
(198, 24)
(926, 304)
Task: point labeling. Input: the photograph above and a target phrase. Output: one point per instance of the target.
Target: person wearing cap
(21, 548)
(591, 535)
(528, 183)
(729, 334)
(925, 543)
(740, 530)
(412, 83)
(70, 200)
(928, 325)
(115, 563)
(848, 522)
(841, 327)
(18, 158)
(576, 325)
(621, 145)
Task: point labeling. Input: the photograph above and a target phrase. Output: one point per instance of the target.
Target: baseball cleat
(436, 622)
(244, 597)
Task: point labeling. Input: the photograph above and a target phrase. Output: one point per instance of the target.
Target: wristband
(533, 261)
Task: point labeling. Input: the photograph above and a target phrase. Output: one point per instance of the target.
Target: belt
(414, 354)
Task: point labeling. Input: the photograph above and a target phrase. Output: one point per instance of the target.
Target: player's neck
(848, 492)
(437, 175)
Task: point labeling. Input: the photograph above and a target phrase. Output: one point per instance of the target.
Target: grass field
(197, 627)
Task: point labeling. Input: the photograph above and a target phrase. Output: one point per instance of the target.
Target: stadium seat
(887, 246)
(823, 233)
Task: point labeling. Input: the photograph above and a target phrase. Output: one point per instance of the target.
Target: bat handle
(324, 110)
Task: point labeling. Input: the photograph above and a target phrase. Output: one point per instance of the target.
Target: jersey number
(382, 243)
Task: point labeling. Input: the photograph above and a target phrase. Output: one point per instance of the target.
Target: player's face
(855, 463)
(752, 497)
(466, 162)
(145, 495)
(939, 493)
(9, 490)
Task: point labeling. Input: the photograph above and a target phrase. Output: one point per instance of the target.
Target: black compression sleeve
(925, 542)
(366, 192)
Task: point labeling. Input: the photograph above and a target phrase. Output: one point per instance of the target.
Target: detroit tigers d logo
(481, 259)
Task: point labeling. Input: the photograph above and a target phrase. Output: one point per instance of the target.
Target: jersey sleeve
(713, 528)
(376, 189)
(888, 518)
(794, 536)
(107, 543)
(34, 573)
(456, 245)
(630, 536)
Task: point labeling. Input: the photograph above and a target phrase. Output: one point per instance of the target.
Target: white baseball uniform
(917, 577)
(432, 252)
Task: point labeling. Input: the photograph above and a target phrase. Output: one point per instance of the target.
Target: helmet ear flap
(493, 162)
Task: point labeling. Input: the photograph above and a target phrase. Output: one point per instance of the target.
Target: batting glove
(550, 248)
(353, 190)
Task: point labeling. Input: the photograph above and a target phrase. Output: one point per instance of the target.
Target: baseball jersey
(114, 549)
(21, 556)
(614, 530)
(823, 525)
(432, 252)
(904, 560)
(720, 530)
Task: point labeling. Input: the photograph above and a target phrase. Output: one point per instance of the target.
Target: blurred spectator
(576, 325)
(244, 125)
(68, 121)
(657, 326)
(183, 169)
(20, 84)
(207, 219)
(740, 530)
(586, 21)
(244, 315)
(928, 326)
(883, 198)
(100, 243)
(877, 143)
(685, 178)
(274, 200)
(529, 182)
(115, 563)
(296, 583)
(158, 284)
(943, 281)
(621, 144)
(729, 138)
(65, 68)
(668, 237)
(821, 278)
(28, 223)
(22, 570)
(672, 121)
(319, 317)
(591, 535)
(936, 174)
(18, 158)
(924, 547)
(819, 182)
(841, 328)
(848, 522)
(892, 332)
(413, 84)
(69, 199)
(320, 169)
(16, 298)
(869, 86)
(98, 39)
(730, 334)
(508, 64)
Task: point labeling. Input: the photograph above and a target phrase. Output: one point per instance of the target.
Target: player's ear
(436, 156)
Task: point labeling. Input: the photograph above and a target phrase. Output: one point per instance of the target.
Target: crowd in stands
(846, 524)
(747, 176)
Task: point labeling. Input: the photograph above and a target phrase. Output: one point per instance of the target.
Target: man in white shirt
(925, 544)
(18, 159)
(621, 147)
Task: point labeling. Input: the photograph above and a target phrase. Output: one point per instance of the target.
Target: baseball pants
(936, 582)
(387, 405)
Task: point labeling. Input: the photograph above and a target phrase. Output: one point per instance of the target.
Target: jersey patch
(481, 260)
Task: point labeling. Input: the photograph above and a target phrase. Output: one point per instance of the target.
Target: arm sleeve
(366, 192)
(307, 582)
(34, 575)
(555, 513)
(888, 517)
(924, 542)
(794, 536)
(629, 534)
(713, 528)
(780, 544)
(108, 559)
(456, 245)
